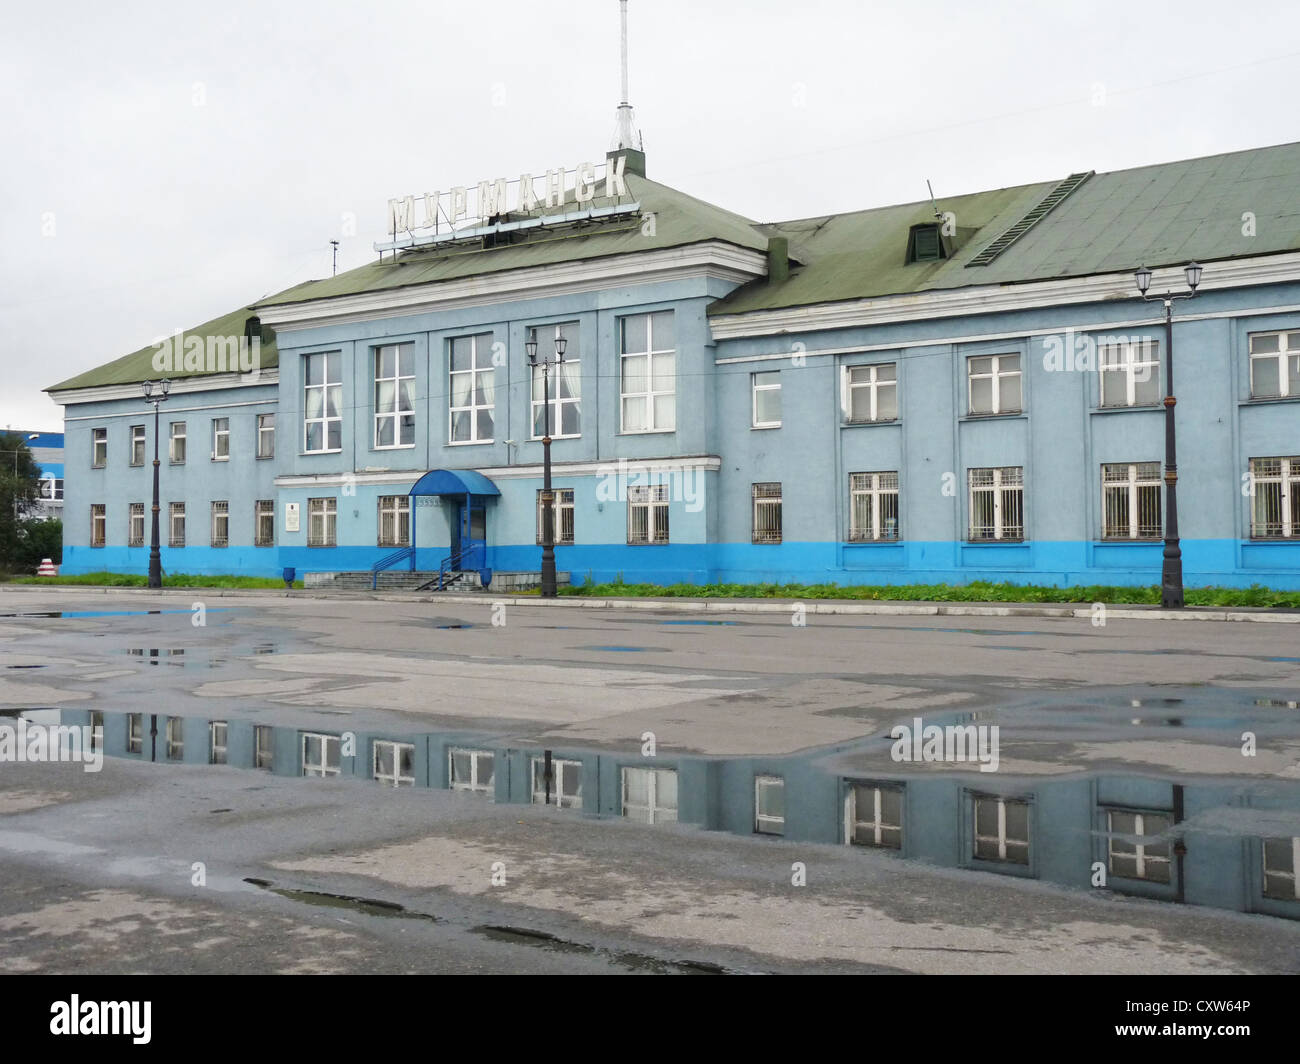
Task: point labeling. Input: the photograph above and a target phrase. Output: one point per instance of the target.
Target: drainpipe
(1180, 847)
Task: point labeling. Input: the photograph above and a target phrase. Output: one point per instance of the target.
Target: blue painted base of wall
(210, 561)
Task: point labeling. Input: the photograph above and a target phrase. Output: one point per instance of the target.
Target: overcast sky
(166, 162)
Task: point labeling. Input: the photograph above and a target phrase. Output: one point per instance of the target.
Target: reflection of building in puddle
(1229, 844)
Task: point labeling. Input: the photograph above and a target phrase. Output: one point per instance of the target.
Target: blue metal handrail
(390, 560)
(449, 564)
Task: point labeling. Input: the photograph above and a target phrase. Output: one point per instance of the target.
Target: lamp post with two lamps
(155, 392)
(548, 496)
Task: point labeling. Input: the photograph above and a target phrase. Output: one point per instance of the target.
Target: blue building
(969, 389)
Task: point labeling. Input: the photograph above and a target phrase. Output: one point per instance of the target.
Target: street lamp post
(16, 453)
(155, 554)
(1171, 572)
(548, 496)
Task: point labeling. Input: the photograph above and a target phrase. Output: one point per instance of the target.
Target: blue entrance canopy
(453, 482)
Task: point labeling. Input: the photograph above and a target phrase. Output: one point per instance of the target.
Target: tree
(19, 493)
(38, 540)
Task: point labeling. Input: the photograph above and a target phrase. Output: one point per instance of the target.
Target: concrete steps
(405, 580)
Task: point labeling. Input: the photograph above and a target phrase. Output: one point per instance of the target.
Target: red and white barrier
(48, 568)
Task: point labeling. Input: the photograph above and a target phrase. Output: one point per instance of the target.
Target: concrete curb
(825, 607)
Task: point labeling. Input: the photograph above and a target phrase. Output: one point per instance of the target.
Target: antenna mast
(626, 134)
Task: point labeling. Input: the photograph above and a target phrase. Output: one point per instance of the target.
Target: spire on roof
(626, 135)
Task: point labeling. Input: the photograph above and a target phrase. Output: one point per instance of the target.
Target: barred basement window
(565, 383)
(98, 524)
(1274, 365)
(322, 522)
(472, 770)
(221, 439)
(767, 513)
(394, 763)
(1131, 859)
(769, 805)
(1002, 829)
(875, 816)
(137, 445)
(1130, 374)
(263, 747)
(176, 524)
(98, 448)
(647, 514)
(322, 423)
(176, 443)
(1281, 859)
(1130, 500)
(264, 523)
(135, 525)
(562, 510)
(766, 400)
(322, 755)
(217, 734)
(175, 738)
(394, 520)
(473, 389)
(997, 504)
(871, 393)
(265, 435)
(650, 795)
(994, 384)
(395, 396)
(220, 524)
(648, 372)
(873, 507)
(566, 783)
(134, 733)
(1275, 487)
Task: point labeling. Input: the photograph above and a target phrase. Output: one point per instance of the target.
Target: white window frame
(265, 433)
(326, 388)
(1004, 479)
(396, 510)
(325, 512)
(1138, 361)
(98, 448)
(1287, 479)
(98, 524)
(475, 784)
(660, 402)
(221, 439)
(1140, 857)
(764, 381)
(263, 514)
(561, 770)
(572, 333)
(400, 418)
(877, 824)
(135, 733)
(173, 438)
(322, 766)
(218, 742)
(263, 752)
(862, 387)
(1292, 874)
(1131, 481)
(997, 375)
(766, 823)
(653, 498)
(220, 523)
(564, 515)
(1001, 838)
(174, 731)
(765, 499)
(875, 488)
(654, 813)
(1288, 351)
(139, 445)
(478, 344)
(396, 778)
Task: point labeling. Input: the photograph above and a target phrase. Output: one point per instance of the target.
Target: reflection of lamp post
(548, 496)
(1171, 572)
(155, 554)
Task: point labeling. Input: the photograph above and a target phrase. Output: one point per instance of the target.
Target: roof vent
(924, 244)
(1045, 207)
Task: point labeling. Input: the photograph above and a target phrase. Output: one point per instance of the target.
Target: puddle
(81, 614)
(624, 650)
(26, 666)
(449, 626)
(637, 962)
(369, 906)
(727, 624)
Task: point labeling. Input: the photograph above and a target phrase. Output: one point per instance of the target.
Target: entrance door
(469, 535)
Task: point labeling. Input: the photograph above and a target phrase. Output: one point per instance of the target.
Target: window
(134, 733)
(322, 521)
(650, 795)
(394, 763)
(994, 384)
(137, 445)
(98, 524)
(647, 346)
(1274, 365)
(873, 506)
(220, 524)
(565, 382)
(176, 443)
(1130, 500)
(96, 730)
(263, 748)
(769, 805)
(473, 389)
(98, 448)
(217, 732)
(1281, 859)
(563, 515)
(766, 407)
(647, 513)
(997, 503)
(1002, 830)
(135, 525)
(875, 816)
(265, 435)
(176, 524)
(766, 513)
(175, 738)
(51, 487)
(395, 395)
(472, 770)
(1130, 373)
(323, 401)
(566, 783)
(924, 244)
(1133, 859)
(221, 439)
(322, 755)
(1275, 487)
(871, 393)
(394, 520)
(264, 523)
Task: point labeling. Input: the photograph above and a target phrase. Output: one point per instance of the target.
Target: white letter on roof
(614, 183)
(585, 184)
